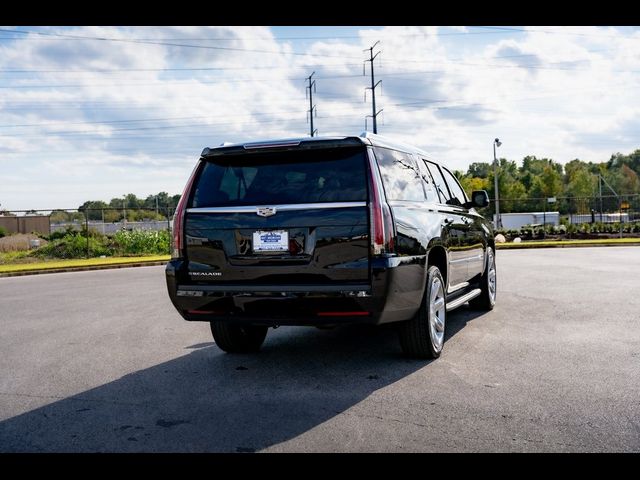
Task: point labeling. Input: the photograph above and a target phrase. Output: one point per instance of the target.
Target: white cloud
(567, 94)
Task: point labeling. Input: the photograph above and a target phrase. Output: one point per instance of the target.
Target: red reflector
(343, 314)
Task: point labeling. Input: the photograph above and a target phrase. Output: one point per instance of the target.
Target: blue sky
(86, 118)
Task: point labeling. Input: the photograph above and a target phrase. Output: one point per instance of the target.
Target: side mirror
(479, 199)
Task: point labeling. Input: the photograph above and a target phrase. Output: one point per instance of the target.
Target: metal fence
(89, 223)
(620, 209)
(103, 220)
(574, 210)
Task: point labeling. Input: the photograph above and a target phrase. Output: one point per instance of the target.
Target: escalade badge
(266, 211)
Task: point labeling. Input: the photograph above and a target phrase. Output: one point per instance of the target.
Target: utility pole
(496, 143)
(373, 89)
(312, 107)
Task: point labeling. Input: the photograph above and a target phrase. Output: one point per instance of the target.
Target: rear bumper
(298, 304)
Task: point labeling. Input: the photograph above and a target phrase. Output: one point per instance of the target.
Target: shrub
(3, 232)
(58, 234)
(73, 246)
(139, 242)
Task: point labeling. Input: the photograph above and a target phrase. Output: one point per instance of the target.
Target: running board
(463, 299)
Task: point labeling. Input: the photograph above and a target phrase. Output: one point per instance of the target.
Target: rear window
(400, 175)
(337, 175)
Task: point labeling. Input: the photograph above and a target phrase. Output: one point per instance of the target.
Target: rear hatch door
(286, 217)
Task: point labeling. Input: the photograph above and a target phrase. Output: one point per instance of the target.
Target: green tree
(516, 195)
(533, 167)
(547, 184)
(581, 182)
(627, 180)
(507, 174)
(94, 208)
(469, 184)
(59, 216)
(479, 169)
(132, 201)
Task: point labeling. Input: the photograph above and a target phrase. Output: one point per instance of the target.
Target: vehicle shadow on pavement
(209, 401)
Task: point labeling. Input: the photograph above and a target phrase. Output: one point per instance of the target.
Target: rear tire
(488, 285)
(238, 338)
(423, 335)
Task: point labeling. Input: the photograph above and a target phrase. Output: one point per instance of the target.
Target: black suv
(325, 231)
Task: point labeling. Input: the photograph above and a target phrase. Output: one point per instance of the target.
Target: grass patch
(569, 243)
(16, 257)
(87, 262)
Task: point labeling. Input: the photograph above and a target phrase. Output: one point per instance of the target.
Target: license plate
(271, 241)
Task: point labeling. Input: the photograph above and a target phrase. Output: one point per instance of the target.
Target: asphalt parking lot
(100, 361)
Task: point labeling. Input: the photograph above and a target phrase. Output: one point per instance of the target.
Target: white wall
(517, 220)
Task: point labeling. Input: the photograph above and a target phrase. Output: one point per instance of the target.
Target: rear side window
(400, 175)
(438, 181)
(335, 175)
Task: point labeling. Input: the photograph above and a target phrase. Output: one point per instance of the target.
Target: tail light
(382, 233)
(178, 217)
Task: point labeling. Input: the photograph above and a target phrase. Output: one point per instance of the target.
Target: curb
(82, 269)
(528, 246)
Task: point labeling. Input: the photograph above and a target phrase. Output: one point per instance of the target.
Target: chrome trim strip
(279, 208)
(275, 288)
(468, 259)
(455, 288)
(463, 299)
(460, 260)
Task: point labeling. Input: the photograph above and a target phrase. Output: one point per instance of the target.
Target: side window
(454, 187)
(400, 175)
(429, 186)
(438, 181)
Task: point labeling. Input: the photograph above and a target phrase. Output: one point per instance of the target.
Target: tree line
(541, 178)
(154, 207)
(535, 178)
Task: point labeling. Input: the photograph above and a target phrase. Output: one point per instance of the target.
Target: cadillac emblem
(266, 211)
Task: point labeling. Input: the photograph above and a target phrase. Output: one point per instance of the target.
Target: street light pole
(496, 143)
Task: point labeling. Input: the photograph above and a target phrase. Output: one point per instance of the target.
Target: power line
(316, 37)
(415, 102)
(182, 45)
(161, 83)
(161, 127)
(190, 81)
(553, 32)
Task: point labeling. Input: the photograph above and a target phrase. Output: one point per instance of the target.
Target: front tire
(488, 285)
(423, 335)
(238, 338)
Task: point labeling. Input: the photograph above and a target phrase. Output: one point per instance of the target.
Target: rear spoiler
(282, 145)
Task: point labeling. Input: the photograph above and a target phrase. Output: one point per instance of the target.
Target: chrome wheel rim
(491, 276)
(437, 314)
